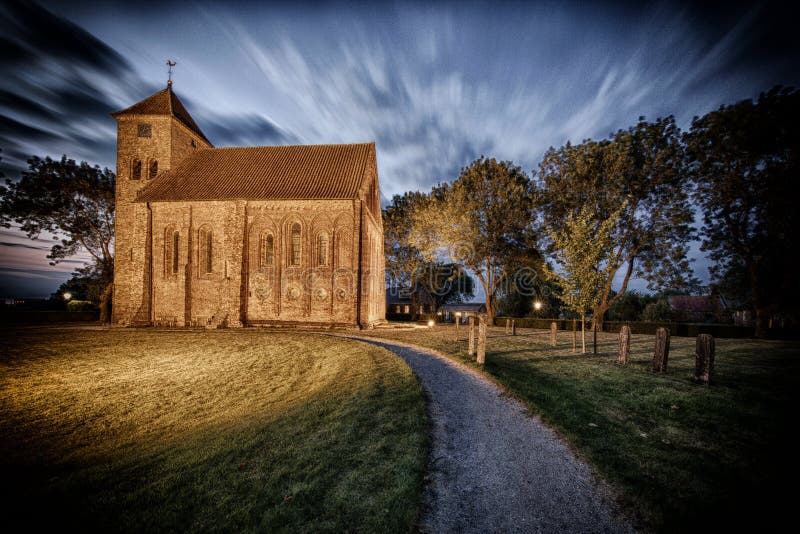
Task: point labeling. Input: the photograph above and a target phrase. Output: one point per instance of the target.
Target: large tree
(74, 201)
(643, 168)
(584, 251)
(407, 268)
(483, 220)
(745, 163)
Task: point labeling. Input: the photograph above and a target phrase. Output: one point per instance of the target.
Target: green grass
(683, 456)
(188, 430)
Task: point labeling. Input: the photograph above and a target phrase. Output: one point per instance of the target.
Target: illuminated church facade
(242, 236)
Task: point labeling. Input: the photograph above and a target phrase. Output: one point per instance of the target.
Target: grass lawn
(683, 456)
(189, 430)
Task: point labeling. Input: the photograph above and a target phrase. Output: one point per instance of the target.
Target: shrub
(657, 311)
(80, 305)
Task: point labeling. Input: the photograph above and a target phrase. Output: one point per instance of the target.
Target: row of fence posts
(704, 347)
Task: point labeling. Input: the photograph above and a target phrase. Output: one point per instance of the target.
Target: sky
(435, 84)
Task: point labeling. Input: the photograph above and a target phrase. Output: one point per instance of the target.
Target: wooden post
(624, 344)
(471, 349)
(662, 350)
(508, 326)
(513, 327)
(594, 329)
(704, 359)
(574, 336)
(482, 341)
(553, 334)
(458, 320)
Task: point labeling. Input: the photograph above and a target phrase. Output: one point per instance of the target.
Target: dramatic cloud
(435, 85)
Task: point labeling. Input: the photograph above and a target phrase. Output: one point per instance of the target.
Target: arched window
(153, 169)
(205, 259)
(136, 170)
(171, 250)
(322, 249)
(296, 245)
(175, 251)
(267, 251)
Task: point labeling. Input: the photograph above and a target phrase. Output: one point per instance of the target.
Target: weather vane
(171, 64)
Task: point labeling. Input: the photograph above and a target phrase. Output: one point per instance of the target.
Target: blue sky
(436, 85)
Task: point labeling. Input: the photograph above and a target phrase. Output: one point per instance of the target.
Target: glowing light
(430, 324)
(537, 305)
(67, 296)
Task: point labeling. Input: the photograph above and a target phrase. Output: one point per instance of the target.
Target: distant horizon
(435, 86)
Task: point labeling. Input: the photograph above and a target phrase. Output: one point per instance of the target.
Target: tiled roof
(464, 306)
(164, 102)
(267, 172)
(696, 303)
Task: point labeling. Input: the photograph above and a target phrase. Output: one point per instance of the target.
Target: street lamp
(430, 323)
(537, 305)
(67, 296)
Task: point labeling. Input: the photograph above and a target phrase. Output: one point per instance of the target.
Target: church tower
(152, 137)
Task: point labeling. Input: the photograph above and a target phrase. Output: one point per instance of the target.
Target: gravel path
(493, 467)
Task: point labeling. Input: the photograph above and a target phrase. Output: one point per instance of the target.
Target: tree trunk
(758, 303)
(574, 337)
(583, 334)
(598, 315)
(489, 310)
(105, 303)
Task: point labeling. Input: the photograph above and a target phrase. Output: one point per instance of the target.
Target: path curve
(493, 467)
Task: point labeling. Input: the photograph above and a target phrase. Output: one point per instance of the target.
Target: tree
(445, 283)
(518, 298)
(744, 162)
(584, 251)
(404, 262)
(87, 283)
(630, 306)
(406, 267)
(70, 200)
(658, 311)
(483, 220)
(643, 167)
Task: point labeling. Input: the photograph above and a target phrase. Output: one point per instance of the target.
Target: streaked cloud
(435, 85)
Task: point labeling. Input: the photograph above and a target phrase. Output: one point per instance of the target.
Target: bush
(80, 305)
(657, 311)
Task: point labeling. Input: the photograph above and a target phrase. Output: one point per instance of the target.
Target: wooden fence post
(482, 340)
(471, 324)
(513, 327)
(704, 359)
(662, 350)
(508, 326)
(624, 344)
(553, 334)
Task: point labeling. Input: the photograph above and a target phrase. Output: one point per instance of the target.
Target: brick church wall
(234, 284)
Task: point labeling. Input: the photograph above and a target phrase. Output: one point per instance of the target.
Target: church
(242, 236)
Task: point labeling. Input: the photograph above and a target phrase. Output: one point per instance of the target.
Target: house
(268, 235)
(461, 311)
(699, 308)
(399, 303)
